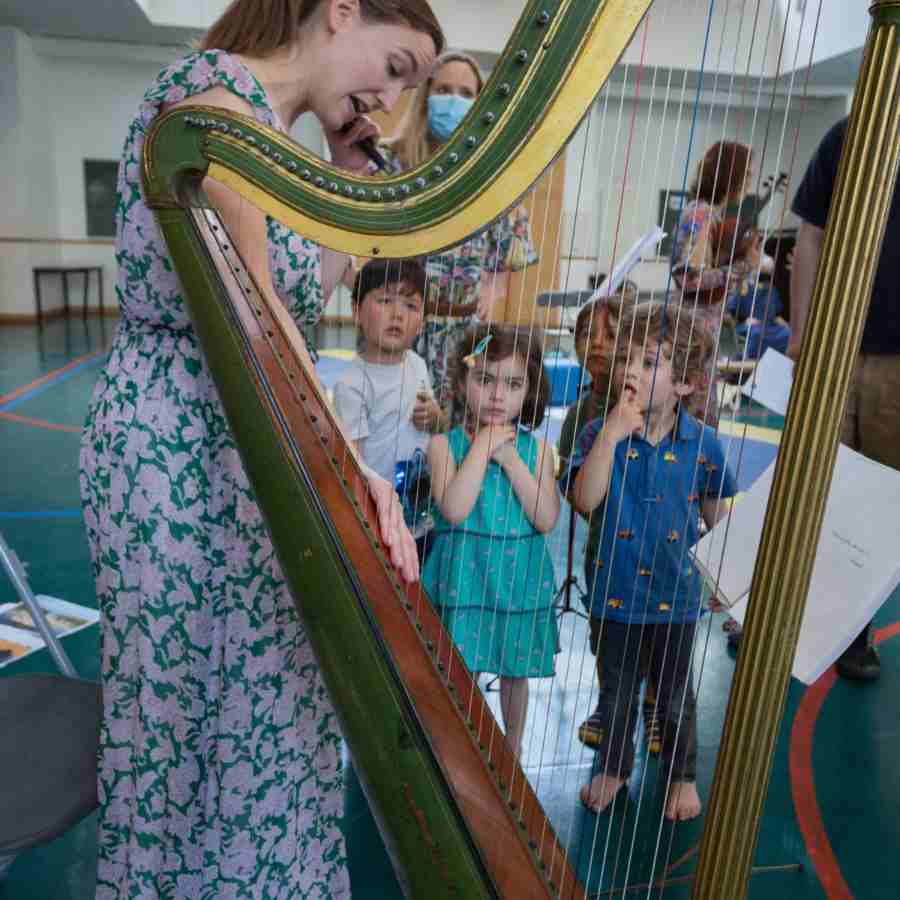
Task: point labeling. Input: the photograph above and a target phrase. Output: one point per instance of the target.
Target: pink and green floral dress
(220, 769)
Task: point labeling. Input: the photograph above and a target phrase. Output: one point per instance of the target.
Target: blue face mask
(445, 112)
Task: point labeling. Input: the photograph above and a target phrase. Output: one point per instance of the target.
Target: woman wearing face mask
(462, 282)
(220, 772)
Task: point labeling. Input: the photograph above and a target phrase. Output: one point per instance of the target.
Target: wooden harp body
(458, 814)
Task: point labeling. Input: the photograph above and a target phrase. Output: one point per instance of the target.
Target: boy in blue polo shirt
(651, 471)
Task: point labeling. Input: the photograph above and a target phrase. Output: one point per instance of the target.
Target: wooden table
(64, 272)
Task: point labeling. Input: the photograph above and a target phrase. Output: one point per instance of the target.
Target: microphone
(367, 145)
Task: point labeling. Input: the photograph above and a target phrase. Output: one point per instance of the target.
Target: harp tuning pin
(251, 140)
(376, 195)
(392, 192)
(361, 193)
(188, 120)
(437, 171)
(320, 181)
(543, 18)
(306, 175)
(505, 89)
(489, 118)
(453, 158)
(264, 149)
(420, 182)
(223, 127)
(292, 165)
(471, 140)
(522, 56)
(348, 190)
(277, 157)
(405, 189)
(333, 187)
(236, 132)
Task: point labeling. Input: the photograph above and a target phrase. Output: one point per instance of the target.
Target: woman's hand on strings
(343, 143)
(394, 532)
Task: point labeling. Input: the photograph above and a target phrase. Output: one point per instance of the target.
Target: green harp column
(850, 254)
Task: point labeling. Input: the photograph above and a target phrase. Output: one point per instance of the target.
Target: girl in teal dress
(489, 572)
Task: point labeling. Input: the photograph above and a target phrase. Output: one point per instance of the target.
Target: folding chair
(48, 756)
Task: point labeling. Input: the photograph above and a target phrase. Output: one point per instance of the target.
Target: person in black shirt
(872, 419)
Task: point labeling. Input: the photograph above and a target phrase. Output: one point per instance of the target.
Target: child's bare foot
(683, 802)
(602, 790)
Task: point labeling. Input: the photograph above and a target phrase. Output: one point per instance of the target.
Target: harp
(460, 816)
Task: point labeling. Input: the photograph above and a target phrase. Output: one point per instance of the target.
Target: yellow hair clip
(480, 348)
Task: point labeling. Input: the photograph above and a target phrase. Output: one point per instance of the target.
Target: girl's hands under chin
(393, 530)
(342, 143)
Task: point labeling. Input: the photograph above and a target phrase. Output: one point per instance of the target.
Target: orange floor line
(39, 423)
(49, 376)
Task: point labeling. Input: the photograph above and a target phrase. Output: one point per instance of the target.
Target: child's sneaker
(590, 731)
(652, 730)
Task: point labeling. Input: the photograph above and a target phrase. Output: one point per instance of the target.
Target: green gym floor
(834, 799)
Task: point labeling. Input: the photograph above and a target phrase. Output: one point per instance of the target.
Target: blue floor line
(43, 514)
(53, 382)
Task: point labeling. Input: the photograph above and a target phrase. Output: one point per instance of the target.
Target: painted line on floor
(10, 401)
(754, 432)
(43, 514)
(40, 423)
(803, 785)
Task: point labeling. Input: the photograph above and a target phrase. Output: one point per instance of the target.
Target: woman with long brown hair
(713, 256)
(463, 282)
(220, 754)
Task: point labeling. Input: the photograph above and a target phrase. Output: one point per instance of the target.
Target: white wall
(613, 186)
(61, 102)
(64, 101)
(842, 26)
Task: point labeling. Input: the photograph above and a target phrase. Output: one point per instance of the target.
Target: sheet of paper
(857, 563)
(771, 382)
(628, 262)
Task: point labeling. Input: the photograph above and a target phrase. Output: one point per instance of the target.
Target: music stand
(562, 602)
(563, 298)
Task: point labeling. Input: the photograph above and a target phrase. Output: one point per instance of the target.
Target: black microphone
(367, 145)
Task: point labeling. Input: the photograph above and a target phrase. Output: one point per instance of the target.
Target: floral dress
(454, 276)
(220, 773)
(712, 276)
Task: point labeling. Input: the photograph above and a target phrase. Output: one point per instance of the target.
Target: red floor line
(39, 423)
(49, 376)
(803, 786)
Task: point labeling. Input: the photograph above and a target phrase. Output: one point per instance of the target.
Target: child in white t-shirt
(384, 398)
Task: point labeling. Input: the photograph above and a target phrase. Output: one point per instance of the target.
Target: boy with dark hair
(650, 470)
(384, 397)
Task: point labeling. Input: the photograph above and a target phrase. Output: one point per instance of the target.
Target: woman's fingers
(393, 530)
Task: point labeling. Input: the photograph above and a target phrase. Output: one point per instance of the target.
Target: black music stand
(563, 298)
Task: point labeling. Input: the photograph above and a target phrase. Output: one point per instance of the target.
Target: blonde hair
(258, 27)
(412, 145)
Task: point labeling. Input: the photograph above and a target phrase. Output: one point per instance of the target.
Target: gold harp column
(843, 286)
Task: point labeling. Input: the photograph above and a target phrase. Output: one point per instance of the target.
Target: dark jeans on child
(625, 653)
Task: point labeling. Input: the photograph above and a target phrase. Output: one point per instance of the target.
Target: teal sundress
(492, 578)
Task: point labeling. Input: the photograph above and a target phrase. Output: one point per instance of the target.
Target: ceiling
(121, 21)
(124, 21)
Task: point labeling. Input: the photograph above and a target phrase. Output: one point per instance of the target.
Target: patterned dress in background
(492, 577)
(454, 276)
(220, 753)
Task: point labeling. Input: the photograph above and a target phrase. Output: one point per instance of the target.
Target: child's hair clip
(479, 349)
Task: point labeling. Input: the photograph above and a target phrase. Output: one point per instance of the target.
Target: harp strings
(604, 117)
